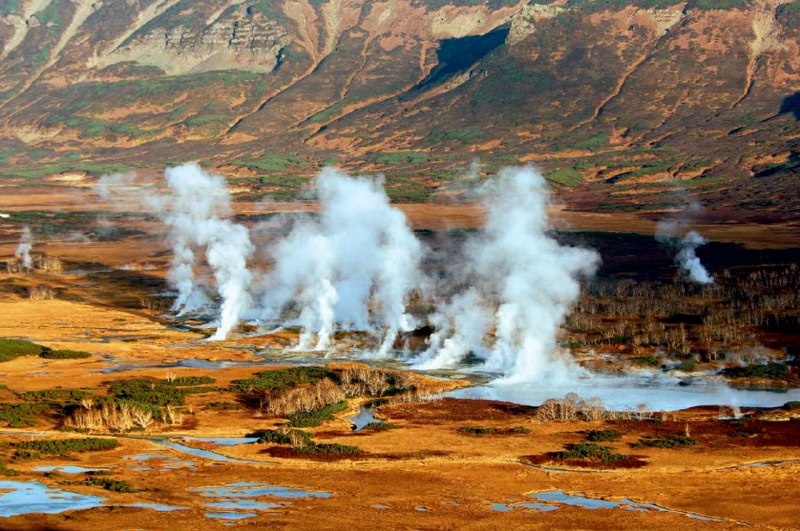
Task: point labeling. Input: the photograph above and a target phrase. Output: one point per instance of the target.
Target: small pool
(223, 441)
(30, 497)
(236, 501)
(68, 469)
(553, 500)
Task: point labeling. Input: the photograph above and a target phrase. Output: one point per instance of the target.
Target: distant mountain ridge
(626, 104)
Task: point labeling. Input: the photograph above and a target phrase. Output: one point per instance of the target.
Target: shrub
(154, 392)
(571, 408)
(603, 435)
(14, 348)
(769, 370)
(380, 426)
(26, 454)
(794, 404)
(751, 432)
(665, 441)
(589, 451)
(283, 436)
(114, 485)
(5, 471)
(483, 430)
(477, 430)
(647, 360)
(327, 449)
(305, 398)
(118, 416)
(282, 379)
(183, 381)
(225, 405)
(54, 396)
(307, 419)
(19, 415)
(63, 446)
(64, 354)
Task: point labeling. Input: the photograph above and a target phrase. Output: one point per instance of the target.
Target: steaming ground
(498, 306)
(668, 231)
(522, 285)
(631, 392)
(355, 266)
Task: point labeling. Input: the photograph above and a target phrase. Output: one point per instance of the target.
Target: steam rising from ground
(524, 283)
(689, 262)
(686, 258)
(194, 210)
(359, 253)
(354, 266)
(196, 206)
(23, 251)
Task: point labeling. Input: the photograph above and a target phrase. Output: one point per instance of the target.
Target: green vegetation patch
(603, 435)
(708, 5)
(64, 354)
(14, 348)
(380, 426)
(156, 392)
(409, 193)
(283, 436)
(665, 441)
(282, 379)
(315, 417)
(114, 485)
(593, 143)
(5, 471)
(274, 161)
(327, 449)
(768, 370)
(205, 119)
(54, 396)
(20, 415)
(392, 158)
(569, 177)
(589, 451)
(64, 446)
(485, 430)
(610, 5)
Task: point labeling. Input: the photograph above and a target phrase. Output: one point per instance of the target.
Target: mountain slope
(628, 104)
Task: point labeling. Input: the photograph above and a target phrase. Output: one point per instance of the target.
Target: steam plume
(194, 210)
(524, 284)
(23, 251)
(689, 262)
(198, 201)
(359, 254)
(686, 258)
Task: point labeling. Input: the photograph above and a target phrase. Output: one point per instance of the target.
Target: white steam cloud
(524, 283)
(23, 251)
(351, 269)
(686, 258)
(689, 262)
(195, 210)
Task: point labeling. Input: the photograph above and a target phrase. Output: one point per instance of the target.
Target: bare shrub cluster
(571, 408)
(156, 303)
(305, 398)
(43, 263)
(685, 320)
(118, 417)
(41, 293)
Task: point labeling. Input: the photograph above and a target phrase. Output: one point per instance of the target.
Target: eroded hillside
(627, 104)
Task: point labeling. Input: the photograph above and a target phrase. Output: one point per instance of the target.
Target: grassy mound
(14, 348)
